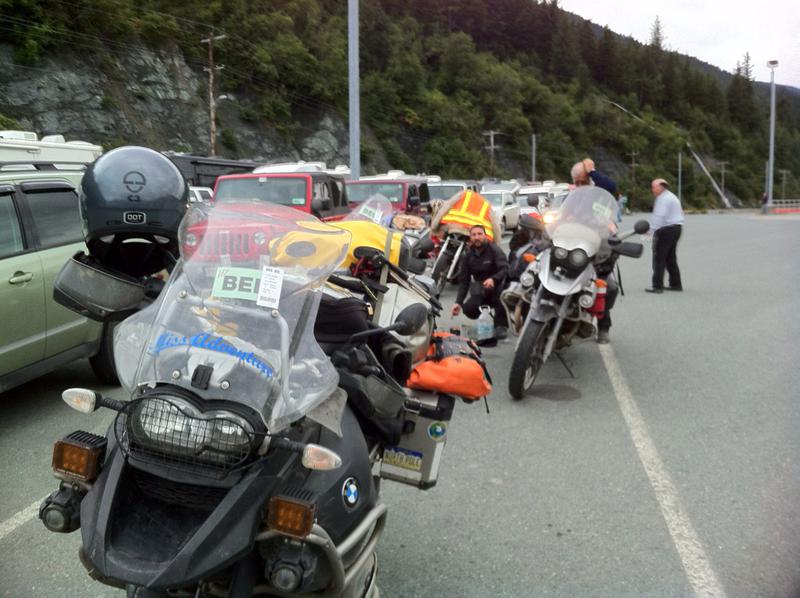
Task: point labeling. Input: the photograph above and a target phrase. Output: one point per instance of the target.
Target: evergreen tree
(657, 34)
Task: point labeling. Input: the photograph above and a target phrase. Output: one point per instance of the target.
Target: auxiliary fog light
(586, 300)
(527, 279)
(290, 516)
(286, 578)
(77, 456)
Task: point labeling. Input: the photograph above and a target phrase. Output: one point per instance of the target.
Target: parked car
(444, 190)
(509, 185)
(505, 208)
(40, 229)
(539, 193)
(405, 192)
(200, 194)
(308, 187)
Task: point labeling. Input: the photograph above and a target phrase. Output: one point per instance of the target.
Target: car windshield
(359, 192)
(496, 199)
(244, 320)
(285, 191)
(444, 191)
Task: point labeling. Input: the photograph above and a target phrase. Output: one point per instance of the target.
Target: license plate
(403, 458)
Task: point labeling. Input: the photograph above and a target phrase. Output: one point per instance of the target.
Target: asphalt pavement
(676, 474)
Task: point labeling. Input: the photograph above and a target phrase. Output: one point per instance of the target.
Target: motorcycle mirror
(411, 319)
(80, 399)
(319, 458)
(364, 251)
(533, 201)
(641, 227)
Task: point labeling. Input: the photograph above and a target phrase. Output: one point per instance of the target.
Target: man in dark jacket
(486, 265)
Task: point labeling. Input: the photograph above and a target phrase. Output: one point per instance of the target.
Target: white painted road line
(698, 569)
(15, 521)
(18, 519)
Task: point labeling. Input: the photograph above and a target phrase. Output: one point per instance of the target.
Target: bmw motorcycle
(247, 460)
(562, 289)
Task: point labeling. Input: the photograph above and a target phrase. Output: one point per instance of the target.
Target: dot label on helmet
(134, 218)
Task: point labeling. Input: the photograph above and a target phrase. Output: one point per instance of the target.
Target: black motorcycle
(247, 460)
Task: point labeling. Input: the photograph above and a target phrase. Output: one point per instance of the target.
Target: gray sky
(715, 31)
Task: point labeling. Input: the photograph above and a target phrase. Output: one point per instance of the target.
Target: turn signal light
(291, 517)
(528, 257)
(78, 456)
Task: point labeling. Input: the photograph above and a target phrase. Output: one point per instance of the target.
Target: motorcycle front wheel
(528, 359)
(440, 269)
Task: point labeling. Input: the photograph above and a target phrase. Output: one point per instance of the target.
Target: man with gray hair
(667, 225)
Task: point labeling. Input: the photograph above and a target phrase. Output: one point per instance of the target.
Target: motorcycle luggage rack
(156, 431)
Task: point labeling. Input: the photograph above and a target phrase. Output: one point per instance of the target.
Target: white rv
(50, 157)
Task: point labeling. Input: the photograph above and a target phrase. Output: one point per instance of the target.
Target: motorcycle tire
(440, 269)
(528, 359)
(103, 361)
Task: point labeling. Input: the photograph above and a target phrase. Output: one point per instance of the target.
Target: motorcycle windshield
(377, 209)
(236, 319)
(586, 218)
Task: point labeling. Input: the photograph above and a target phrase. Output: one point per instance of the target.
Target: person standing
(667, 225)
(483, 272)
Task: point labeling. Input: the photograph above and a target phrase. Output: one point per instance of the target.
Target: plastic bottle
(485, 324)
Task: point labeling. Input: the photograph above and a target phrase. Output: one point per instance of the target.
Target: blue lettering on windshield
(168, 340)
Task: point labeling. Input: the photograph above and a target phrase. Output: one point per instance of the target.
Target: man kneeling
(483, 272)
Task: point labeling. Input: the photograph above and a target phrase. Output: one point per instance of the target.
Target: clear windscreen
(242, 302)
(377, 209)
(586, 215)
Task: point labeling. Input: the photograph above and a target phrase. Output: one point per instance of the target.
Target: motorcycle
(247, 460)
(562, 289)
(447, 266)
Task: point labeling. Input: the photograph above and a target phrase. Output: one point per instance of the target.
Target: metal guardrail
(785, 206)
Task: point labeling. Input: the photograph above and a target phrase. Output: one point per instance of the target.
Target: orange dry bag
(453, 366)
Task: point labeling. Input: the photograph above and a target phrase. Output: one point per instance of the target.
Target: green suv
(40, 229)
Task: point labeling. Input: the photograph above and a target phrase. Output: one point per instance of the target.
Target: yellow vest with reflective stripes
(469, 210)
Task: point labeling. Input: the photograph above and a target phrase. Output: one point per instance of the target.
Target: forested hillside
(435, 75)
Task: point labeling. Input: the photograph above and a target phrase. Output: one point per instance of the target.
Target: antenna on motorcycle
(88, 401)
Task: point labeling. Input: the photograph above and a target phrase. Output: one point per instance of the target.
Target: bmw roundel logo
(350, 492)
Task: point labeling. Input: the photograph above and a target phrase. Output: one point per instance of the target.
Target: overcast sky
(715, 31)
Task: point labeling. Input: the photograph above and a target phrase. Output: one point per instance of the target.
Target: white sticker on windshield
(269, 291)
(298, 201)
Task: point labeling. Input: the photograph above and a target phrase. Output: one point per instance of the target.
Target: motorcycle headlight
(175, 427)
(527, 279)
(578, 258)
(560, 253)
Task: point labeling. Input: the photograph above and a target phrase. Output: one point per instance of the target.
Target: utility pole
(354, 91)
(533, 158)
(783, 172)
(491, 147)
(680, 173)
(212, 105)
(633, 172)
(722, 164)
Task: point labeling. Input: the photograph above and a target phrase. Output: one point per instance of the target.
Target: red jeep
(406, 193)
(318, 193)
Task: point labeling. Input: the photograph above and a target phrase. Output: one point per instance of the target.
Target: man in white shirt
(666, 224)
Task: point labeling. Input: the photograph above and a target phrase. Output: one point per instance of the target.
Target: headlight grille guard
(170, 432)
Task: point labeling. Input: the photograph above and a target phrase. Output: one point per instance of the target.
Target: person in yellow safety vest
(463, 211)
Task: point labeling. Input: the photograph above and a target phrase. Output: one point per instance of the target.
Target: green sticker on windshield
(236, 283)
(298, 201)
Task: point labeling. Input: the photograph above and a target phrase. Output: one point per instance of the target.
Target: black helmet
(133, 193)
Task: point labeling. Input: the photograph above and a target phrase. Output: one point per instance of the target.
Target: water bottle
(484, 329)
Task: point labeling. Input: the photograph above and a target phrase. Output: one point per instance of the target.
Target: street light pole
(772, 65)
(353, 89)
(533, 158)
(680, 173)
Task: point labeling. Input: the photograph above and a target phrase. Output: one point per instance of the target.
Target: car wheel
(103, 361)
